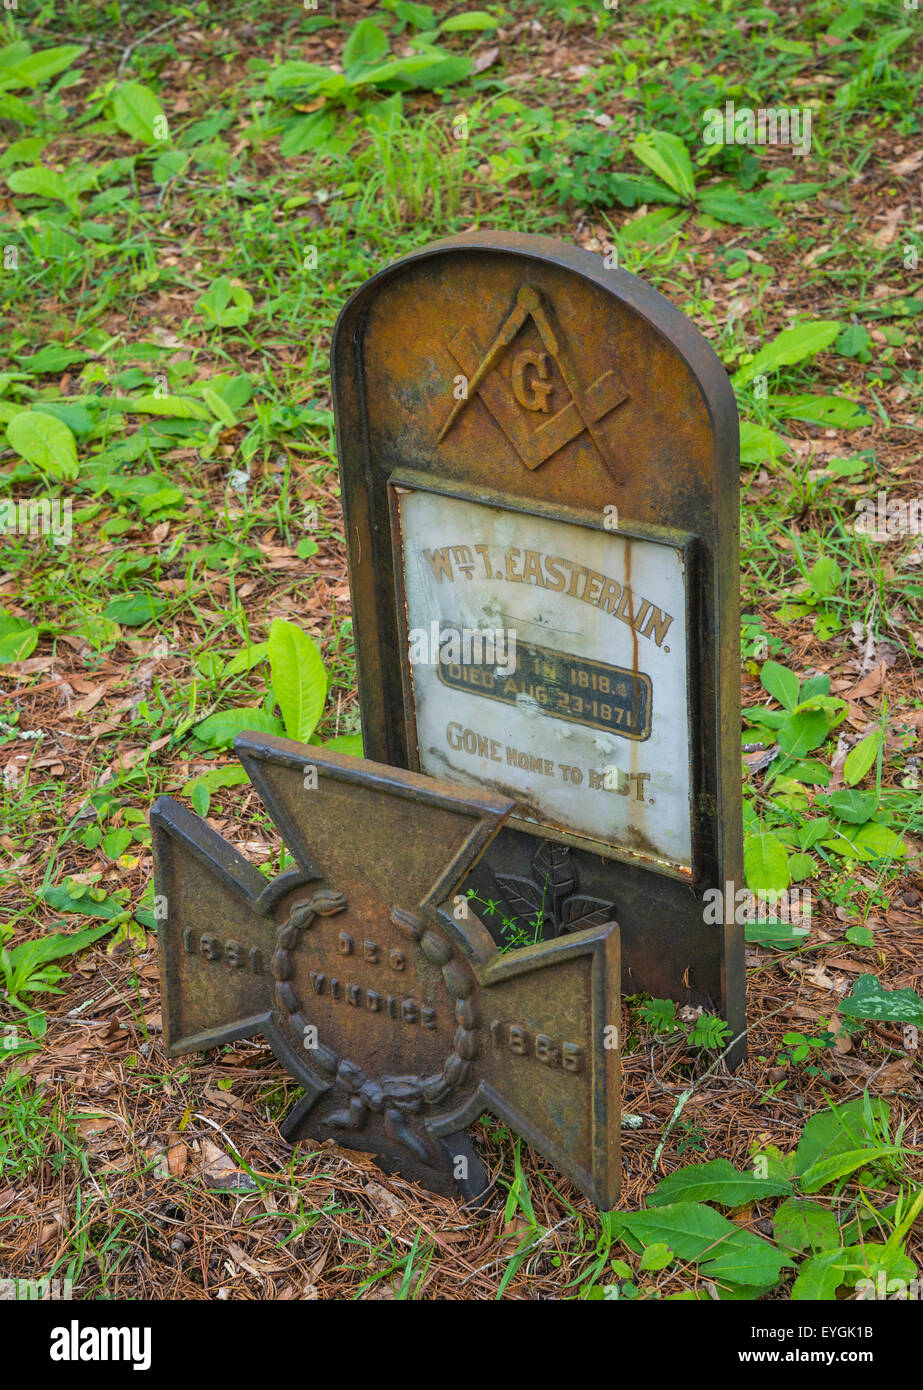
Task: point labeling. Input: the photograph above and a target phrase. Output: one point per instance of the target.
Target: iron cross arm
(374, 982)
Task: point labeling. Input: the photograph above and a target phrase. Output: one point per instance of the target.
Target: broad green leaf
(846, 21)
(656, 1257)
(866, 1261)
(18, 638)
(134, 610)
(792, 345)
(813, 831)
(853, 340)
(771, 718)
(298, 678)
(311, 132)
(293, 79)
(852, 806)
(783, 685)
(717, 1181)
(116, 842)
(424, 70)
(810, 771)
(40, 182)
(835, 411)
(367, 43)
(799, 1226)
(831, 705)
(219, 730)
(11, 54)
(219, 407)
(346, 743)
(733, 1293)
(880, 842)
(170, 165)
(795, 192)
(78, 419)
(758, 444)
(667, 157)
(44, 441)
(784, 936)
(812, 687)
(59, 944)
(421, 17)
(32, 69)
(174, 407)
(247, 659)
(746, 1259)
(138, 112)
(801, 866)
(802, 733)
(765, 863)
(838, 1129)
(828, 1170)
(15, 109)
(236, 390)
(632, 189)
(825, 626)
(819, 1278)
(777, 1164)
(726, 203)
(860, 759)
(870, 999)
(209, 781)
(692, 1230)
(227, 305)
(471, 19)
(824, 576)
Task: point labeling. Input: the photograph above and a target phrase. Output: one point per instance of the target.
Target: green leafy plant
(21, 69)
(790, 347)
(666, 155)
(704, 1030)
(585, 175)
(138, 112)
(825, 1247)
(858, 824)
(870, 999)
(369, 67)
(34, 1129)
(298, 687)
(798, 1049)
(44, 441)
(18, 638)
(28, 968)
(227, 306)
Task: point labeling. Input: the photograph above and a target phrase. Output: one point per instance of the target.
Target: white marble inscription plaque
(548, 660)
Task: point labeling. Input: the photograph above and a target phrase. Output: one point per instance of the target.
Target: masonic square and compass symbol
(544, 404)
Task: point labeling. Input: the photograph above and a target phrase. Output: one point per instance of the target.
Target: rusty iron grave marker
(401, 1022)
(539, 455)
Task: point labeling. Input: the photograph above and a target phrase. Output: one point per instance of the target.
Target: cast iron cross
(373, 980)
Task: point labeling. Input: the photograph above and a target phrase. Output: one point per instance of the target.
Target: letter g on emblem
(532, 392)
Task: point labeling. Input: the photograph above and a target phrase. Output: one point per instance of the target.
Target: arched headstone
(543, 451)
